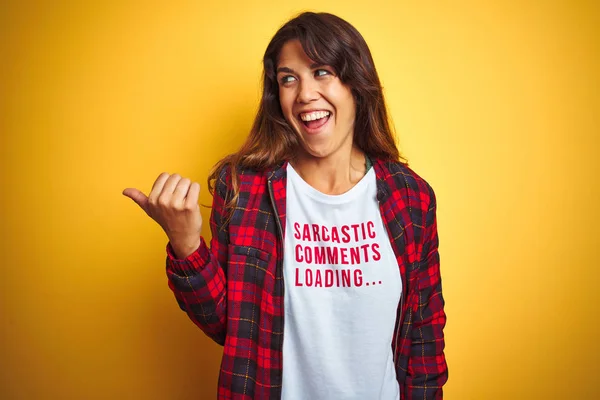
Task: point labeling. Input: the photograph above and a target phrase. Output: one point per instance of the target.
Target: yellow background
(496, 105)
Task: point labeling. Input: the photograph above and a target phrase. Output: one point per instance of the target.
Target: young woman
(322, 276)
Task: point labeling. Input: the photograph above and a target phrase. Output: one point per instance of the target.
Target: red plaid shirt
(233, 289)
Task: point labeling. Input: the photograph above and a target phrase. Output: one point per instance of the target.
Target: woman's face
(315, 102)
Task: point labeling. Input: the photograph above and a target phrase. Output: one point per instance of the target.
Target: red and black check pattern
(233, 289)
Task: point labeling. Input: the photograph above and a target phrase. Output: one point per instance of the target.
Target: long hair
(328, 40)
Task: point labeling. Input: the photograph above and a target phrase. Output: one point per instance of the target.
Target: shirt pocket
(249, 293)
(247, 265)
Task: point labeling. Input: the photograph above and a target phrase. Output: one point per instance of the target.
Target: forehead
(292, 53)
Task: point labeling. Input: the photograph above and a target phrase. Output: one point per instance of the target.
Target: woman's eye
(287, 78)
(321, 72)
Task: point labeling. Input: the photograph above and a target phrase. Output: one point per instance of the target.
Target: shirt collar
(381, 172)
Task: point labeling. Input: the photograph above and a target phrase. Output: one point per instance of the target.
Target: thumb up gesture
(173, 204)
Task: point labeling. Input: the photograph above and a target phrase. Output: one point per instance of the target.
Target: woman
(320, 236)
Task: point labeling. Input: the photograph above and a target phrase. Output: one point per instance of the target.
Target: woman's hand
(173, 203)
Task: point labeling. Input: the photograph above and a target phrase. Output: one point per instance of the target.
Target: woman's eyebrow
(285, 69)
(291, 71)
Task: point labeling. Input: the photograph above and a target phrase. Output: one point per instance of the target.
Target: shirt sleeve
(427, 368)
(199, 281)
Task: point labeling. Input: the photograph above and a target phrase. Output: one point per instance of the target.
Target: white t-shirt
(342, 288)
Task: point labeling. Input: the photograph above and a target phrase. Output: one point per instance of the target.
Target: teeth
(314, 115)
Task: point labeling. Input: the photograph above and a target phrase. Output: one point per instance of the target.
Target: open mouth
(315, 120)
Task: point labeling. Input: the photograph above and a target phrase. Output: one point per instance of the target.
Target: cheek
(351, 106)
(347, 109)
(342, 100)
(285, 101)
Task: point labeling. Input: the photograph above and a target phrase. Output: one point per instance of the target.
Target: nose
(307, 91)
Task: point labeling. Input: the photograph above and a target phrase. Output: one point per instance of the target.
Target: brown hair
(329, 40)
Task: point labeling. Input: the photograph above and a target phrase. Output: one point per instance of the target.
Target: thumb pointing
(140, 198)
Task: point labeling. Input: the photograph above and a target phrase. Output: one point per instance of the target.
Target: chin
(317, 151)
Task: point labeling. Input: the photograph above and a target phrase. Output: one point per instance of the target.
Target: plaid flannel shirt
(234, 290)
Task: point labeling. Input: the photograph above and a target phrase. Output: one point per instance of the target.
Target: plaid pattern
(233, 289)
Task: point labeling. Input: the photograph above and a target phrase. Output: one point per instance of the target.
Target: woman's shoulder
(244, 175)
(226, 170)
(400, 176)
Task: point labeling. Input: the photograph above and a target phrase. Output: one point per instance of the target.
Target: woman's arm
(199, 281)
(427, 369)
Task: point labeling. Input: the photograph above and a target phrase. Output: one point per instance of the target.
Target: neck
(334, 174)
